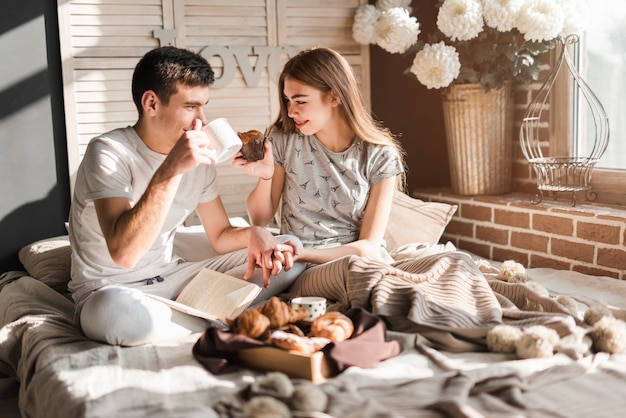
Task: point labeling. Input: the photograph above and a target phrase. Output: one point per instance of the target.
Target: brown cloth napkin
(216, 349)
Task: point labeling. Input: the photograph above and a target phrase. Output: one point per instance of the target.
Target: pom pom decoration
(537, 288)
(537, 341)
(596, 313)
(308, 398)
(513, 272)
(609, 334)
(503, 338)
(567, 302)
(266, 407)
(276, 382)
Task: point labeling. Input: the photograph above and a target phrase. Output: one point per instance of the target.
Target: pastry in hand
(332, 325)
(253, 148)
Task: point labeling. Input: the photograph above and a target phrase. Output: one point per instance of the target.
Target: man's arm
(264, 250)
(130, 228)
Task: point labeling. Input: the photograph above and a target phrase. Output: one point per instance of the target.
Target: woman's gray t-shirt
(325, 192)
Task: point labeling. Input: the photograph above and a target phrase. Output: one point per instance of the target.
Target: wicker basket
(479, 129)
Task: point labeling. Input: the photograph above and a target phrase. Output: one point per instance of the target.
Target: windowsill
(589, 238)
(562, 203)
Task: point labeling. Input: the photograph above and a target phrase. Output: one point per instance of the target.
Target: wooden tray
(314, 367)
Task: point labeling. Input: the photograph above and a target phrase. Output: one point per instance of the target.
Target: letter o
(229, 66)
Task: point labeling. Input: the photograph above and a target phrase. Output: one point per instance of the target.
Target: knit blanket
(444, 297)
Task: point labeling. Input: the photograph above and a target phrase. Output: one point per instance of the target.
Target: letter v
(251, 76)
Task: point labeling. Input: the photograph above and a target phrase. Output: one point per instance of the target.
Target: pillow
(192, 244)
(48, 261)
(415, 221)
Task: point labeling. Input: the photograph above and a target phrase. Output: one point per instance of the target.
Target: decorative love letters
(270, 57)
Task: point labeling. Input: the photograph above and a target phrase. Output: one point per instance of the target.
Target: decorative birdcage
(570, 173)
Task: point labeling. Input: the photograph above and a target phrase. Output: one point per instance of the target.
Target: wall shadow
(27, 219)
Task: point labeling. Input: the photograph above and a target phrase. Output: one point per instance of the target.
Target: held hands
(262, 168)
(266, 252)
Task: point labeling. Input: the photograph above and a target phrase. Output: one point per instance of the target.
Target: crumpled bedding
(440, 308)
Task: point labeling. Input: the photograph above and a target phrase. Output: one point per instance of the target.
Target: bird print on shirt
(326, 192)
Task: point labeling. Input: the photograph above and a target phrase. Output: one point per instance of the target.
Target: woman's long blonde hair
(326, 70)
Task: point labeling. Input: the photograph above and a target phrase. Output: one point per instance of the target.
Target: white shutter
(102, 40)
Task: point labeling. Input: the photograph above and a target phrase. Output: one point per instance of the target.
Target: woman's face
(309, 108)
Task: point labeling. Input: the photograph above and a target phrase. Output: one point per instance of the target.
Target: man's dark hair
(161, 69)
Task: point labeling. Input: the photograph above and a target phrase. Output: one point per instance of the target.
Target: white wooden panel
(102, 40)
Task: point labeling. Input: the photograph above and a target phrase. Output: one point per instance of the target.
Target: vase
(479, 127)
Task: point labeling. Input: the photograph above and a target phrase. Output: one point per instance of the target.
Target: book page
(218, 294)
(214, 296)
(189, 310)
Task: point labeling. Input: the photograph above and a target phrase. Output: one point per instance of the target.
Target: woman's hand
(262, 168)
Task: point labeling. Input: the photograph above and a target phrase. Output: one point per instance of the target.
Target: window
(602, 64)
(601, 59)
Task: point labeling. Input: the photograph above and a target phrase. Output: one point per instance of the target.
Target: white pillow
(192, 244)
(49, 261)
(415, 221)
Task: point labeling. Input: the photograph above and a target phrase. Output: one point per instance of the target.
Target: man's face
(184, 106)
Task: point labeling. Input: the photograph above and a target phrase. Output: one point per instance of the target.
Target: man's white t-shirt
(119, 164)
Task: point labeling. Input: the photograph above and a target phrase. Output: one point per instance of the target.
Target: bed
(440, 309)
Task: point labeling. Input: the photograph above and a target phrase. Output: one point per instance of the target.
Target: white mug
(316, 306)
(228, 142)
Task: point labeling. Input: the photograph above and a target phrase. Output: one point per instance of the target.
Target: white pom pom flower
(575, 12)
(396, 30)
(502, 14)
(460, 20)
(541, 20)
(390, 4)
(363, 27)
(437, 65)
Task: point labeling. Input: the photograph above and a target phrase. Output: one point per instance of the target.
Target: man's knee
(118, 316)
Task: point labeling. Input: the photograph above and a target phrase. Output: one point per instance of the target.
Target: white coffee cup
(228, 142)
(316, 306)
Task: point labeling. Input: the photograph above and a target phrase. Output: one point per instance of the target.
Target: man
(134, 187)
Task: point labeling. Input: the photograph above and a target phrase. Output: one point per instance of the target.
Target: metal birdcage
(571, 173)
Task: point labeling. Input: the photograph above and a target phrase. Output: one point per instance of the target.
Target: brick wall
(524, 178)
(587, 238)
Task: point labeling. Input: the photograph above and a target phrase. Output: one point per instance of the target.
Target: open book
(214, 296)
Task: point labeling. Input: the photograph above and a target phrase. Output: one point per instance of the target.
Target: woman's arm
(263, 200)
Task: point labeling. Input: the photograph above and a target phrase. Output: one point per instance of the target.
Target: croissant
(251, 323)
(333, 325)
(280, 313)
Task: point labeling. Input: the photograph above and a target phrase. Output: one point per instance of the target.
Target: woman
(328, 165)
